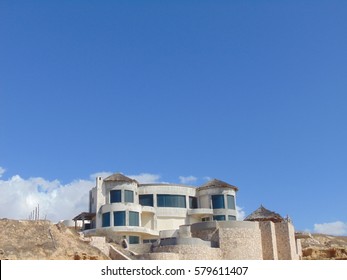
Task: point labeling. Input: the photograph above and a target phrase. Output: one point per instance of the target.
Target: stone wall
(268, 239)
(140, 248)
(205, 234)
(240, 243)
(230, 240)
(191, 252)
(185, 241)
(116, 254)
(286, 244)
(207, 231)
(236, 240)
(100, 243)
(159, 256)
(299, 248)
(109, 234)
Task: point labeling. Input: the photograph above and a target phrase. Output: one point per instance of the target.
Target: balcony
(128, 230)
(148, 209)
(200, 212)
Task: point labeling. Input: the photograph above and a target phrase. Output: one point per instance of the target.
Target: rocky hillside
(324, 247)
(42, 240)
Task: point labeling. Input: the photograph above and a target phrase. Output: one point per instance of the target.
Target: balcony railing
(200, 211)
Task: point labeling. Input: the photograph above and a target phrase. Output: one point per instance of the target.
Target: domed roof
(263, 214)
(215, 183)
(118, 177)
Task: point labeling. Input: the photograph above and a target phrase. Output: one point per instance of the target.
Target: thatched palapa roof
(217, 183)
(263, 214)
(118, 177)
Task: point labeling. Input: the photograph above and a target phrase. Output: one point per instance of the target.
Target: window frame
(131, 238)
(215, 202)
(193, 202)
(106, 222)
(233, 219)
(134, 215)
(231, 198)
(117, 194)
(219, 218)
(126, 196)
(116, 215)
(168, 201)
(145, 197)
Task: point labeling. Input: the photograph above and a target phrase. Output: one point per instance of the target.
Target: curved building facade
(140, 211)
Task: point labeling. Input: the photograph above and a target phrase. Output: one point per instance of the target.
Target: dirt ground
(43, 240)
(324, 247)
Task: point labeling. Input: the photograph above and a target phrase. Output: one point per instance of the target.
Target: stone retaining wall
(159, 256)
(191, 252)
(286, 244)
(240, 243)
(268, 238)
(140, 248)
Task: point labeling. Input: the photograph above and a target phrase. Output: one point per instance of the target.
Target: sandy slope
(39, 240)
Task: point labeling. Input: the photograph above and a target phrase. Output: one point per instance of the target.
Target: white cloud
(241, 215)
(19, 197)
(2, 171)
(57, 201)
(333, 228)
(188, 179)
(145, 178)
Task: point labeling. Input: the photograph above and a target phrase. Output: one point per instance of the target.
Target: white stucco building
(141, 211)
(173, 221)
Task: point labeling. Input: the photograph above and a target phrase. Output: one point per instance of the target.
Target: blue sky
(249, 92)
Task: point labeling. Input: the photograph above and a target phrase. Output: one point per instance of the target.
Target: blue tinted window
(193, 202)
(134, 240)
(218, 201)
(128, 196)
(145, 241)
(231, 201)
(106, 219)
(219, 218)
(166, 200)
(115, 196)
(231, 218)
(134, 218)
(119, 218)
(146, 199)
